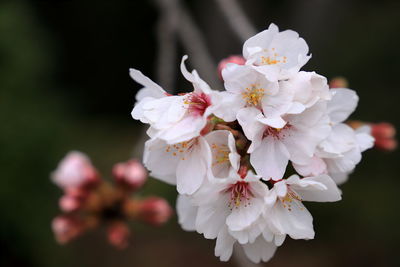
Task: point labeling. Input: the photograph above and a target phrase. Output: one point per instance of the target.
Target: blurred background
(64, 85)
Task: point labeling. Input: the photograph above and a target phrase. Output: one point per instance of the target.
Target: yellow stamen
(253, 94)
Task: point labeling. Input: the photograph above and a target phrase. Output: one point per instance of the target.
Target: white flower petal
(270, 159)
(161, 163)
(151, 89)
(280, 188)
(248, 118)
(243, 216)
(364, 138)
(262, 39)
(186, 213)
(227, 105)
(339, 177)
(315, 167)
(224, 155)
(211, 218)
(320, 188)
(224, 245)
(344, 102)
(296, 222)
(198, 84)
(192, 169)
(260, 250)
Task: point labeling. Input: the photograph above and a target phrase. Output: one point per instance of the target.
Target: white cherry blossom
(341, 151)
(230, 210)
(175, 118)
(272, 148)
(208, 143)
(339, 167)
(246, 87)
(288, 214)
(276, 54)
(234, 201)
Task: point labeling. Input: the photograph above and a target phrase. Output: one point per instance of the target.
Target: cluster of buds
(245, 158)
(89, 201)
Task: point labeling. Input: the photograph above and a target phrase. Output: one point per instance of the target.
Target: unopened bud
(243, 171)
(154, 210)
(383, 129)
(74, 171)
(384, 134)
(78, 192)
(66, 228)
(338, 82)
(69, 203)
(236, 59)
(118, 234)
(130, 173)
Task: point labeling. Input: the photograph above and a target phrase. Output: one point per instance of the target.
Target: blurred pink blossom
(236, 59)
(74, 171)
(69, 203)
(384, 134)
(154, 210)
(130, 173)
(118, 234)
(66, 228)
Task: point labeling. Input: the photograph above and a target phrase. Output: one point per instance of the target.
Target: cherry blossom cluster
(246, 158)
(89, 201)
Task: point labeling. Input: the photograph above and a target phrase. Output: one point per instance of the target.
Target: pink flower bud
(155, 211)
(74, 171)
(77, 192)
(66, 228)
(236, 59)
(243, 171)
(130, 173)
(384, 134)
(386, 144)
(338, 82)
(69, 203)
(118, 234)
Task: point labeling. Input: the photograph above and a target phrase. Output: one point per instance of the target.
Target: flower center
(239, 193)
(290, 198)
(253, 94)
(197, 103)
(221, 153)
(272, 58)
(277, 133)
(180, 149)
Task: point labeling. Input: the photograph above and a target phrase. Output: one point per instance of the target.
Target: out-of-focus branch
(167, 45)
(237, 19)
(196, 47)
(192, 40)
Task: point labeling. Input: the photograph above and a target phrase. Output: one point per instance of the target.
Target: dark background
(64, 85)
